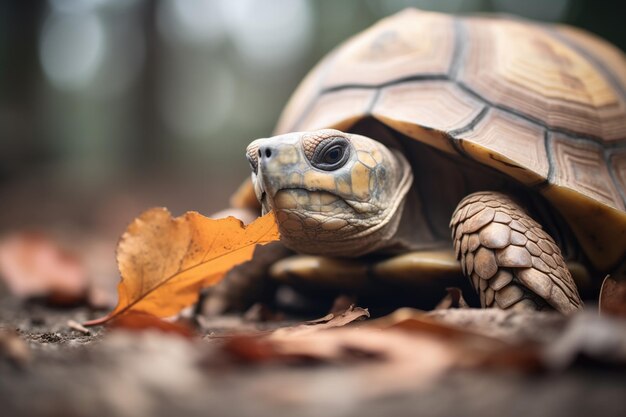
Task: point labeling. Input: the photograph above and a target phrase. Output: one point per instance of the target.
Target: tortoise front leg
(511, 261)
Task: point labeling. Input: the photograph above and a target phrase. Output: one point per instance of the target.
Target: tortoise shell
(545, 105)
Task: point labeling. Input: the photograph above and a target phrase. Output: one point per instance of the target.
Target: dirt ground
(65, 372)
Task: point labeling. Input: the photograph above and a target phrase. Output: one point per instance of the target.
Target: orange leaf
(137, 321)
(164, 262)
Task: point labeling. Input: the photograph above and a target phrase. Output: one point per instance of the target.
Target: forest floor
(551, 367)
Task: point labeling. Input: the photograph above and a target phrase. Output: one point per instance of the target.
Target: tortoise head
(333, 193)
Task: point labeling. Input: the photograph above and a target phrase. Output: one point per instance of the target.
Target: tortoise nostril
(265, 152)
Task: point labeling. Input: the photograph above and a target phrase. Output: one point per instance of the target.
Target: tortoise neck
(379, 236)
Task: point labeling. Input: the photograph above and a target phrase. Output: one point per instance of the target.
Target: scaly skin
(511, 261)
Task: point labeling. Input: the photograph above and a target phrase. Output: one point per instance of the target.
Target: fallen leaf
(165, 261)
(381, 361)
(613, 297)
(230, 326)
(138, 321)
(34, 265)
(478, 332)
(264, 346)
(410, 349)
(348, 344)
(417, 321)
(329, 321)
(514, 327)
(250, 348)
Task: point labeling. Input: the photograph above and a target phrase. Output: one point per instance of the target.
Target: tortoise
(433, 145)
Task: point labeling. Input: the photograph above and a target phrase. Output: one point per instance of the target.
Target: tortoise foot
(510, 260)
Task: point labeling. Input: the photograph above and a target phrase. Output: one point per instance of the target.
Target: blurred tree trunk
(20, 77)
(147, 148)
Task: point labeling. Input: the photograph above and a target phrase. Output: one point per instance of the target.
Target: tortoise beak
(253, 154)
(259, 191)
(272, 161)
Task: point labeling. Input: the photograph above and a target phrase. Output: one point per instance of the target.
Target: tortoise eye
(331, 154)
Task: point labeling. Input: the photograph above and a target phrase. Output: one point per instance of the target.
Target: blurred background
(108, 107)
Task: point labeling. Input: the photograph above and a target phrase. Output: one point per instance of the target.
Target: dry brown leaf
(409, 349)
(417, 321)
(34, 265)
(329, 321)
(514, 327)
(403, 351)
(165, 261)
(485, 346)
(382, 361)
(613, 297)
(347, 344)
(249, 348)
